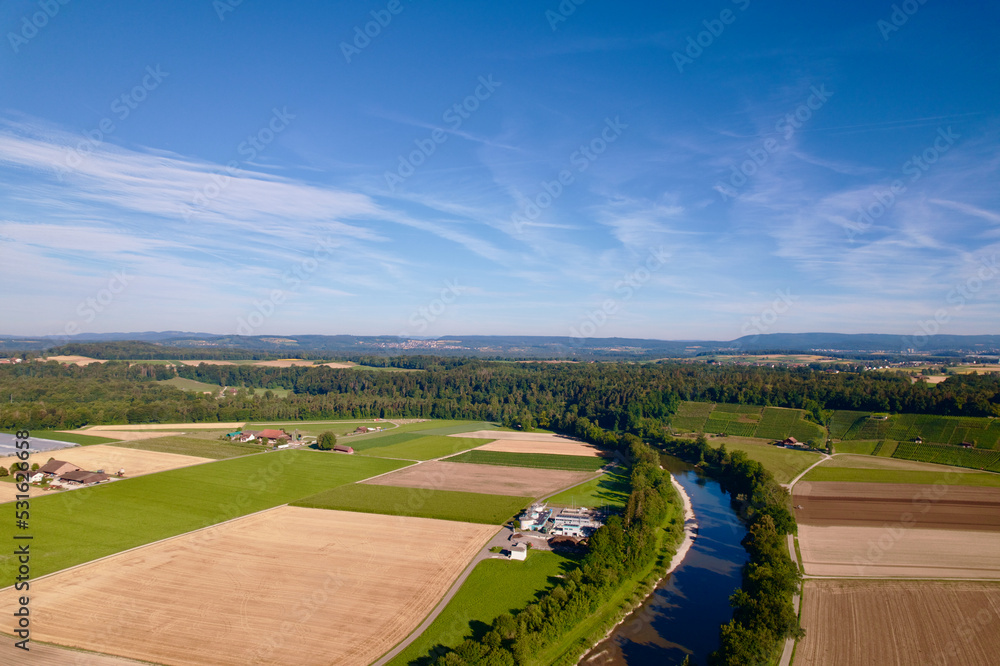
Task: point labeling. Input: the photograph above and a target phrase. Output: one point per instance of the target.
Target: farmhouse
(362, 430)
(341, 448)
(57, 468)
(247, 435)
(83, 477)
(272, 436)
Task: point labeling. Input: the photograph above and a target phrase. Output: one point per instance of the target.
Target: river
(683, 614)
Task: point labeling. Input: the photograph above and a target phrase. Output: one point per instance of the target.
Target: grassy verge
(81, 525)
(532, 460)
(608, 490)
(493, 587)
(420, 502)
(944, 477)
(193, 446)
(424, 447)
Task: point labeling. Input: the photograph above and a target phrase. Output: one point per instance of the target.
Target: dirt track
(895, 623)
(490, 479)
(292, 586)
(874, 504)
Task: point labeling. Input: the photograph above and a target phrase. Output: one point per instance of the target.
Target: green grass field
(533, 460)
(493, 587)
(855, 475)
(784, 464)
(859, 447)
(81, 525)
(191, 385)
(423, 503)
(72, 437)
(194, 446)
(425, 447)
(611, 489)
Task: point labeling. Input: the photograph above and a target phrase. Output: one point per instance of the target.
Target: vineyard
(949, 455)
(983, 433)
(747, 421)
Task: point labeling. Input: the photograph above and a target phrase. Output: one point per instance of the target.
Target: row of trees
(763, 614)
(625, 547)
(615, 397)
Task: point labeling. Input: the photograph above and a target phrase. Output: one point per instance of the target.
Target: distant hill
(500, 346)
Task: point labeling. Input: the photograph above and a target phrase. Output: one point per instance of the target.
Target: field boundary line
(483, 554)
(147, 545)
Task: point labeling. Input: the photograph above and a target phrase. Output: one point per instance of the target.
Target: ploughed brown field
(288, 586)
(875, 504)
(489, 479)
(899, 623)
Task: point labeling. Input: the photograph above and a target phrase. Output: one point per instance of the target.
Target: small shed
(518, 551)
(342, 448)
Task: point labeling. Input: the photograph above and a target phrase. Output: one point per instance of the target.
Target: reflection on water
(683, 614)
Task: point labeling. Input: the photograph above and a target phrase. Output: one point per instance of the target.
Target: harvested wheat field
(74, 360)
(288, 586)
(101, 429)
(490, 479)
(9, 493)
(132, 435)
(897, 623)
(516, 442)
(894, 551)
(874, 504)
(113, 458)
(53, 655)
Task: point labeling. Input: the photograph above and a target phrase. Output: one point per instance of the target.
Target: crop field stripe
(534, 460)
(81, 525)
(418, 502)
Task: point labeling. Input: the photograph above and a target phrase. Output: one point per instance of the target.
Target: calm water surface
(683, 615)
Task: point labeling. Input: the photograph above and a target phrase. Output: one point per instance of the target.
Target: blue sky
(596, 169)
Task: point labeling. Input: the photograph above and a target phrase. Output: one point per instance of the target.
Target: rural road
(786, 655)
(499, 539)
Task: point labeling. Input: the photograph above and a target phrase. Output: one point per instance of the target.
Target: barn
(341, 448)
(57, 468)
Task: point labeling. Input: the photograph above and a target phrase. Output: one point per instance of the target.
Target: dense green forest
(637, 398)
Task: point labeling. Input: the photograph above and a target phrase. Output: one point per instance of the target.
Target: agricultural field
(81, 525)
(784, 464)
(493, 587)
(855, 461)
(192, 445)
(953, 430)
(770, 423)
(112, 458)
(424, 447)
(314, 428)
(949, 455)
(855, 623)
(468, 507)
(71, 437)
(868, 504)
(464, 477)
(950, 477)
(531, 460)
(355, 587)
(860, 447)
(897, 551)
(610, 490)
(533, 442)
(191, 385)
